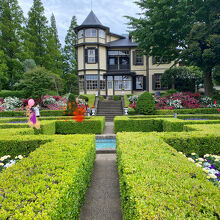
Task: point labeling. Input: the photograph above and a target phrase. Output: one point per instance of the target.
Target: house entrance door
(110, 85)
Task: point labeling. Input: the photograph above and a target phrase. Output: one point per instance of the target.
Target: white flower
(12, 162)
(180, 152)
(198, 165)
(216, 159)
(213, 176)
(201, 159)
(205, 170)
(193, 153)
(1, 164)
(190, 159)
(206, 164)
(213, 171)
(20, 157)
(207, 155)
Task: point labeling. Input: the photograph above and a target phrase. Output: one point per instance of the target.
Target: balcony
(119, 67)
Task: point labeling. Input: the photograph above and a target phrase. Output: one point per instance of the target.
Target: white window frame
(80, 34)
(101, 33)
(91, 32)
(91, 56)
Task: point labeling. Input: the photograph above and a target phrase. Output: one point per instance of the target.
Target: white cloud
(110, 12)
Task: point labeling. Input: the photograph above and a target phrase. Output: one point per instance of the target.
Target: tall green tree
(167, 29)
(162, 27)
(36, 33)
(3, 70)
(70, 59)
(54, 60)
(203, 42)
(11, 20)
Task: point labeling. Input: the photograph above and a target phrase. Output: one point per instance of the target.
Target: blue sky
(109, 12)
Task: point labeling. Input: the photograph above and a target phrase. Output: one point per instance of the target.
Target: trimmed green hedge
(15, 145)
(51, 182)
(13, 125)
(46, 127)
(190, 142)
(157, 123)
(18, 94)
(156, 182)
(204, 127)
(87, 126)
(188, 111)
(123, 123)
(177, 125)
(16, 131)
(126, 101)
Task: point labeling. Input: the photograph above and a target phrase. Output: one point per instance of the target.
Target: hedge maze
(52, 179)
(157, 182)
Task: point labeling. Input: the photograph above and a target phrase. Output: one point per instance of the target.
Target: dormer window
(91, 32)
(80, 34)
(101, 33)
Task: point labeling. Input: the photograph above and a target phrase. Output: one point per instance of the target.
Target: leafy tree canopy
(36, 82)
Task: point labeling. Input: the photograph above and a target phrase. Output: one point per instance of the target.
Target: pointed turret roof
(92, 20)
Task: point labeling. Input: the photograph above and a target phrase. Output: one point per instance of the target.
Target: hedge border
(54, 178)
(156, 182)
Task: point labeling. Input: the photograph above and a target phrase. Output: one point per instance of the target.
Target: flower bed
(7, 161)
(185, 100)
(210, 164)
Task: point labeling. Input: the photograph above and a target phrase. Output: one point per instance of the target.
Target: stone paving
(109, 128)
(102, 201)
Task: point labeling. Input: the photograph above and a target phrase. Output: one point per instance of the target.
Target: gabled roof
(126, 42)
(91, 20)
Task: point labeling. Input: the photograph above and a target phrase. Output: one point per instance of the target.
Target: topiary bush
(71, 105)
(145, 104)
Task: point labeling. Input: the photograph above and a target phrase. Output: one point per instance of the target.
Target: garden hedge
(16, 131)
(177, 125)
(18, 94)
(46, 127)
(200, 142)
(53, 125)
(51, 182)
(204, 127)
(187, 111)
(21, 144)
(124, 123)
(156, 182)
(88, 126)
(159, 123)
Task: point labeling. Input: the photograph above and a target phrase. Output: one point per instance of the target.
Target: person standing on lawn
(37, 111)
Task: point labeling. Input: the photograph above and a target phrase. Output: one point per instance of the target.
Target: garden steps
(109, 109)
(102, 200)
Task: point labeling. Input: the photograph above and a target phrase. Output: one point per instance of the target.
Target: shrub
(156, 123)
(46, 127)
(116, 98)
(190, 142)
(156, 182)
(18, 94)
(173, 124)
(101, 98)
(15, 145)
(187, 111)
(71, 105)
(87, 126)
(51, 182)
(145, 104)
(11, 103)
(125, 124)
